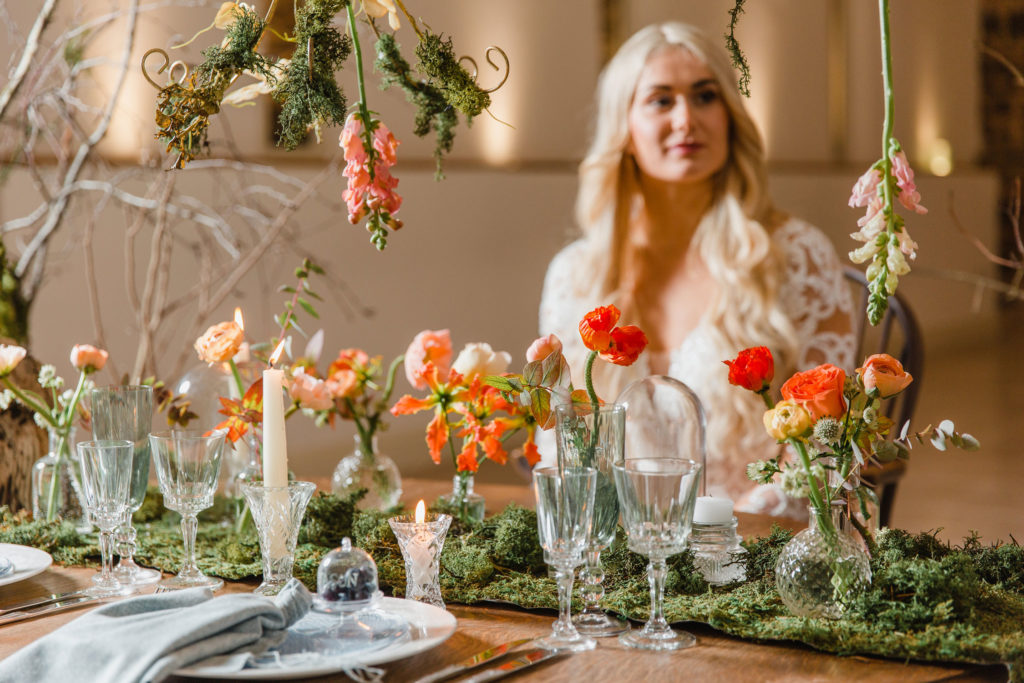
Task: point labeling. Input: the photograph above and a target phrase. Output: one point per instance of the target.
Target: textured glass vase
(822, 568)
(368, 468)
(55, 482)
(462, 501)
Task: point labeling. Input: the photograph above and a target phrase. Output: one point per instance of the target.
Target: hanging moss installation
(928, 600)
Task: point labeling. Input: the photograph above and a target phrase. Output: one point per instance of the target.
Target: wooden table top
(716, 657)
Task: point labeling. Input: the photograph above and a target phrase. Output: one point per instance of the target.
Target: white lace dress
(814, 293)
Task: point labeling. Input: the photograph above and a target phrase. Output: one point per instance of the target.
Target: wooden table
(715, 658)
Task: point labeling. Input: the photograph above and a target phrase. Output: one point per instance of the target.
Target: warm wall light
(940, 157)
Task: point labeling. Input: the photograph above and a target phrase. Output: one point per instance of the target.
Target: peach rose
(543, 347)
(10, 356)
(310, 392)
(885, 374)
(343, 378)
(480, 359)
(88, 358)
(220, 343)
(819, 391)
(429, 346)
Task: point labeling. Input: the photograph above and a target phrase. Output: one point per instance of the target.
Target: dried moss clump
(437, 60)
(466, 561)
(516, 544)
(329, 519)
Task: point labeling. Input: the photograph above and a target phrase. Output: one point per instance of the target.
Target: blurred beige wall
(474, 248)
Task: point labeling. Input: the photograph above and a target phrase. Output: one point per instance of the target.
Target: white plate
(430, 626)
(27, 561)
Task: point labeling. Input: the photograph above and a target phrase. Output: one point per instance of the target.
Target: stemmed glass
(565, 504)
(589, 438)
(187, 467)
(126, 412)
(106, 468)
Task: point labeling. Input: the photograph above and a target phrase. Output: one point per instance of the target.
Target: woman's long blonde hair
(732, 237)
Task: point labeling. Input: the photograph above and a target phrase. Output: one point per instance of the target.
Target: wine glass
(658, 479)
(106, 469)
(589, 438)
(187, 467)
(126, 412)
(565, 504)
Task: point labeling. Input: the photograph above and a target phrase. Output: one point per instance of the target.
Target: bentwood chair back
(899, 335)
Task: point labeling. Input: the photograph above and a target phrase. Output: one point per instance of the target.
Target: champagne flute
(106, 468)
(589, 438)
(657, 496)
(565, 504)
(187, 467)
(126, 412)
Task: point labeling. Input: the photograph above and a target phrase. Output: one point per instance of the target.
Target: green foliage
(308, 94)
(467, 561)
(433, 113)
(329, 518)
(437, 60)
(763, 553)
(739, 61)
(516, 542)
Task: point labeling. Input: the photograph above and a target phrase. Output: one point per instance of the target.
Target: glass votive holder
(421, 539)
(278, 512)
(717, 553)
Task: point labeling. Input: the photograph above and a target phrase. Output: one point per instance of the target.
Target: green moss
(466, 562)
(516, 544)
(329, 519)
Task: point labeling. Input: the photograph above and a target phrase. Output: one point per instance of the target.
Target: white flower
(10, 356)
(6, 396)
(794, 482)
(39, 420)
(480, 359)
(48, 378)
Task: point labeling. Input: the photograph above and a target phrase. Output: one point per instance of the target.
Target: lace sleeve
(816, 296)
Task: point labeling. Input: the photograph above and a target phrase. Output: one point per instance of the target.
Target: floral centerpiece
(834, 425)
(465, 407)
(54, 477)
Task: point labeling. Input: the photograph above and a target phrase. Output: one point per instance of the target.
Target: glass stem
(106, 552)
(564, 578)
(657, 570)
(126, 535)
(593, 578)
(189, 526)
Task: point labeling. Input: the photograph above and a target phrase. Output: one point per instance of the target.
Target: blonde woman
(679, 232)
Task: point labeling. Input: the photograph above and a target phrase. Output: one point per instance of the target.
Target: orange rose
(220, 343)
(88, 358)
(753, 369)
(819, 391)
(885, 374)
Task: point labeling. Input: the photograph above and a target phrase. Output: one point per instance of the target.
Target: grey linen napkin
(149, 637)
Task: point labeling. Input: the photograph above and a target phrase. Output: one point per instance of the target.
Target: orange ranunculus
(627, 344)
(753, 369)
(309, 391)
(88, 358)
(543, 347)
(885, 374)
(596, 327)
(220, 342)
(429, 346)
(819, 391)
(344, 374)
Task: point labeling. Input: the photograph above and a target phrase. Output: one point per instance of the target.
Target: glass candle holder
(717, 553)
(278, 512)
(421, 539)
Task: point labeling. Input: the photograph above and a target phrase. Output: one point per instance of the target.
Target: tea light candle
(420, 554)
(421, 541)
(710, 510)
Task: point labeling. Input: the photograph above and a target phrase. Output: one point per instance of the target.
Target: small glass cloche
(346, 581)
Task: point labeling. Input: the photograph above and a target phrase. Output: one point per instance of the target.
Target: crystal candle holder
(717, 553)
(277, 511)
(421, 543)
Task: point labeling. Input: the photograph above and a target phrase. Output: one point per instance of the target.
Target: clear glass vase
(55, 481)
(823, 567)
(462, 501)
(368, 468)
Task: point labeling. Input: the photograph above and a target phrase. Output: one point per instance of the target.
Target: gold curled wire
(167, 66)
(487, 54)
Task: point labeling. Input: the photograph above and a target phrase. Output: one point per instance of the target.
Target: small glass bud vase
(55, 482)
(717, 553)
(462, 501)
(367, 468)
(822, 567)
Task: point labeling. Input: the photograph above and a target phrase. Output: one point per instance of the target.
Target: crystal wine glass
(187, 467)
(126, 412)
(589, 438)
(106, 468)
(657, 497)
(565, 503)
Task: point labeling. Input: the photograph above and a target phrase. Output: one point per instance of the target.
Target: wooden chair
(898, 335)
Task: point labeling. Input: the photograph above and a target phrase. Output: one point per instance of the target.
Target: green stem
(64, 426)
(32, 401)
(392, 370)
(237, 376)
(821, 510)
(768, 402)
(364, 111)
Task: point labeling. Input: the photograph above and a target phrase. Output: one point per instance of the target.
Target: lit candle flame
(238, 318)
(277, 352)
(421, 512)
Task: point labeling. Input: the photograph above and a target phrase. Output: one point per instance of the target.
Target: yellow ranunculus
(787, 419)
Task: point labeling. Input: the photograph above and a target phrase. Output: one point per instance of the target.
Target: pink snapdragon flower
(866, 188)
(908, 194)
(366, 194)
